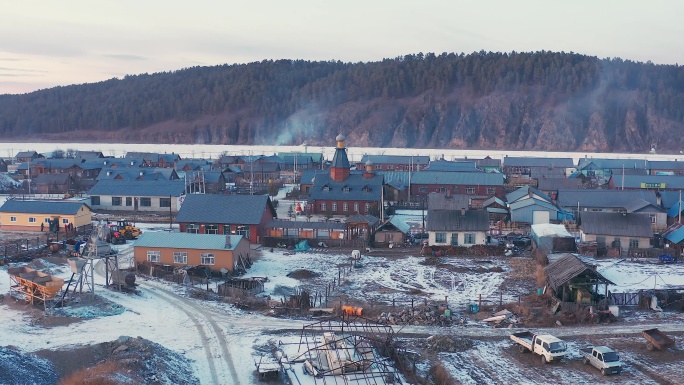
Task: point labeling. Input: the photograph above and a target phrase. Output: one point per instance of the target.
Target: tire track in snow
(196, 313)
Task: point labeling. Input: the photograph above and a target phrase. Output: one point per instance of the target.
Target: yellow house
(21, 215)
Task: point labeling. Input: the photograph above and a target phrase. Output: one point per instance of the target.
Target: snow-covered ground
(631, 276)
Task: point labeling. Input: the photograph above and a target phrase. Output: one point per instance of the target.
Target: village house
(162, 196)
(487, 164)
(468, 183)
(53, 184)
(643, 202)
(394, 162)
(522, 166)
(41, 215)
(151, 159)
(217, 252)
(326, 232)
(244, 215)
(341, 192)
(27, 156)
(457, 227)
(602, 169)
(623, 231)
(138, 173)
(392, 231)
(646, 182)
(666, 167)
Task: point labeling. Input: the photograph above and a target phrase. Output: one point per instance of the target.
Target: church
(346, 192)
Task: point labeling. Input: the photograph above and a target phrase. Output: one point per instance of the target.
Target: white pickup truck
(603, 358)
(550, 348)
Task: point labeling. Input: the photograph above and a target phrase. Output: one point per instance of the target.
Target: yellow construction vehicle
(128, 229)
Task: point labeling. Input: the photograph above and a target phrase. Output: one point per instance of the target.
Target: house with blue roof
(158, 195)
(341, 192)
(469, 183)
(393, 231)
(244, 215)
(42, 215)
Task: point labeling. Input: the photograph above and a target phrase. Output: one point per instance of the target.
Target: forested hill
(536, 101)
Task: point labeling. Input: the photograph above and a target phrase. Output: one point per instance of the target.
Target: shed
(572, 280)
(551, 238)
(394, 230)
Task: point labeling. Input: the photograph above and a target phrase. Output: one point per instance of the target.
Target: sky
(49, 43)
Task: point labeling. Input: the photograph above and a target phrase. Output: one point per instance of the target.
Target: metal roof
(371, 220)
(457, 178)
(440, 201)
(445, 165)
(167, 240)
(395, 159)
(512, 161)
(603, 198)
(42, 207)
(453, 220)
(340, 159)
(640, 204)
(531, 202)
(225, 209)
(619, 224)
(552, 184)
(635, 181)
(612, 164)
(355, 185)
(280, 224)
(526, 191)
(399, 223)
(140, 188)
(665, 165)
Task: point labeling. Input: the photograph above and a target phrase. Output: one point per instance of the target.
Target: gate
(625, 299)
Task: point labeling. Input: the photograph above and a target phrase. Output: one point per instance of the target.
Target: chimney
(369, 170)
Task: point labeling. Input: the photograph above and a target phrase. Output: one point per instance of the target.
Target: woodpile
(422, 316)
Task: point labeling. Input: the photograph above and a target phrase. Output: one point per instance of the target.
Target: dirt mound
(303, 274)
(442, 343)
(126, 360)
(17, 367)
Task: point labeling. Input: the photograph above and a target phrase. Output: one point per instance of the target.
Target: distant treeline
(272, 91)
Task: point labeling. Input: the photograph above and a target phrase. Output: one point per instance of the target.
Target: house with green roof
(215, 251)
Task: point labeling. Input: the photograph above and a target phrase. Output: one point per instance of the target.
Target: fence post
(479, 301)
(501, 298)
(412, 311)
(392, 303)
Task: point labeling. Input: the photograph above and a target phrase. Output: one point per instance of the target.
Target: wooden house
(622, 231)
(457, 227)
(572, 280)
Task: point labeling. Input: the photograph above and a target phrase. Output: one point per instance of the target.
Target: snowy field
(630, 276)
(383, 279)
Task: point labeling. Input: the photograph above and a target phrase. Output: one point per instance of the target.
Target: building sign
(653, 185)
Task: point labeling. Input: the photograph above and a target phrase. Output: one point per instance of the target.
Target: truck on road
(603, 358)
(550, 348)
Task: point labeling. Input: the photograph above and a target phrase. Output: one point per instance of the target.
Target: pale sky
(49, 43)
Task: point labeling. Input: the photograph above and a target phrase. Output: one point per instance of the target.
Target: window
(633, 243)
(469, 238)
(65, 221)
(226, 229)
(116, 201)
(653, 218)
(211, 229)
(345, 188)
(191, 228)
(423, 189)
(13, 219)
(146, 202)
(46, 220)
(324, 207)
(367, 207)
(470, 190)
(32, 219)
(326, 188)
(441, 189)
(601, 241)
(164, 202)
(366, 189)
(207, 259)
(242, 230)
(129, 201)
(356, 207)
(153, 256)
(180, 257)
(334, 206)
(491, 191)
(95, 200)
(454, 239)
(440, 237)
(345, 206)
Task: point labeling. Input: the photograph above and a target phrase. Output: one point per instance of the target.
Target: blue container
(540, 291)
(474, 308)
